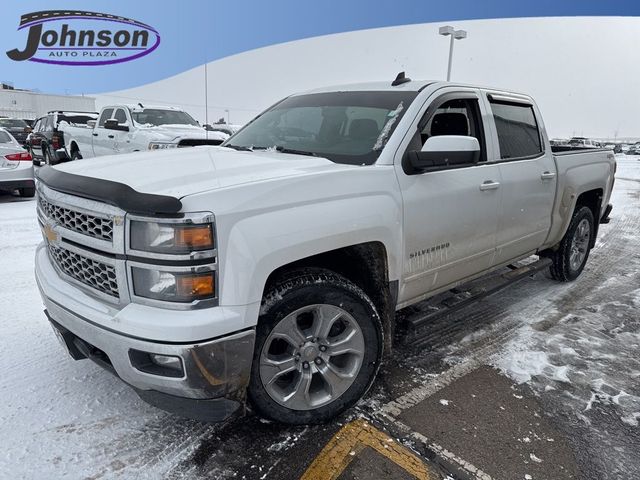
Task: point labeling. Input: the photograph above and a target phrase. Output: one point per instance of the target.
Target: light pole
(455, 35)
(227, 112)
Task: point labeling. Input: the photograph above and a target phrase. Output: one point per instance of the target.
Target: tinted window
(75, 119)
(120, 116)
(12, 123)
(345, 127)
(517, 128)
(106, 115)
(5, 138)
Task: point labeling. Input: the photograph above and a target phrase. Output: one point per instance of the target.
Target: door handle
(547, 175)
(95, 134)
(489, 185)
(110, 136)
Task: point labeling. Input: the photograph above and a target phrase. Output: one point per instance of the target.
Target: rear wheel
(318, 348)
(572, 253)
(75, 155)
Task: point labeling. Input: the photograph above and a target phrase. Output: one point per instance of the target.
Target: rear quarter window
(518, 132)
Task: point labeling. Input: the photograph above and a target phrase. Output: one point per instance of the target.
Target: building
(30, 105)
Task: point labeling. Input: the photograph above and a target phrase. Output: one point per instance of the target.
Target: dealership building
(30, 105)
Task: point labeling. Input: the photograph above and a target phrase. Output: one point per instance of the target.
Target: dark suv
(46, 141)
(18, 128)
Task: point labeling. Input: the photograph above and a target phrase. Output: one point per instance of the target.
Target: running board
(461, 297)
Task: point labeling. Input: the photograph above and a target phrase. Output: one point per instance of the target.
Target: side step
(459, 298)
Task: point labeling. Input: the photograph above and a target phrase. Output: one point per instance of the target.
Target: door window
(518, 133)
(455, 116)
(106, 115)
(120, 116)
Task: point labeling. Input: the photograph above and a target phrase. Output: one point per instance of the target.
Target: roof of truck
(411, 86)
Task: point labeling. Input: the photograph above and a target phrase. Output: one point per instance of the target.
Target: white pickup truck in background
(272, 265)
(130, 128)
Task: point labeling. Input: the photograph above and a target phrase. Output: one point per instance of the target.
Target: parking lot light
(448, 30)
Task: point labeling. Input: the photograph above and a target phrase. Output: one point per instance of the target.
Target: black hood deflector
(106, 191)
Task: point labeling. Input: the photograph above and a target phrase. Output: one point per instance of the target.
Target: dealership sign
(71, 37)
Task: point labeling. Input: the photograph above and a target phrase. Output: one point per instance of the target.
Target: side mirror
(444, 151)
(112, 124)
(91, 123)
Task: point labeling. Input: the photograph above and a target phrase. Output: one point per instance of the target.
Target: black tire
(27, 192)
(300, 289)
(561, 269)
(75, 154)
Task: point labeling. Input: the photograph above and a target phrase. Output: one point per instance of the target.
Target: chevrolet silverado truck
(136, 128)
(267, 271)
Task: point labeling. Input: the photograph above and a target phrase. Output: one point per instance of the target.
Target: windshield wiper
(293, 151)
(240, 148)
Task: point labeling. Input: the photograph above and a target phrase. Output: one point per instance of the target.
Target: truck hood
(186, 171)
(172, 133)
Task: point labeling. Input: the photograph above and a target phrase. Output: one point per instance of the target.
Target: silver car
(16, 166)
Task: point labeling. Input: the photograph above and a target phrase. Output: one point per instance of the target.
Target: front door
(450, 216)
(103, 138)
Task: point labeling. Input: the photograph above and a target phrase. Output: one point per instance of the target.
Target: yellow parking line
(351, 440)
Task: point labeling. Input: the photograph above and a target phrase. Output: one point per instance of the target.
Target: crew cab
(135, 128)
(269, 268)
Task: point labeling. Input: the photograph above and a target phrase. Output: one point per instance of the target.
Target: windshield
(157, 116)
(5, 137)
(12, 123)
(345, 127)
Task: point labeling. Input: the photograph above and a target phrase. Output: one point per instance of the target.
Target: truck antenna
(400, 79)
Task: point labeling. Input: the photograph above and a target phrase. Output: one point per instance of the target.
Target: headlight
(173, 286)
(162, 145)
(171, 238)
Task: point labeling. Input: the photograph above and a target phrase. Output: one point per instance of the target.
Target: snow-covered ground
(576, 344)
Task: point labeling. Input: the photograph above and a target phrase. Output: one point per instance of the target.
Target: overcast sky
(584, 72)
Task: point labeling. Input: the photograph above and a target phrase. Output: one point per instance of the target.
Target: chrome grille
(90, 272)
(90, 225)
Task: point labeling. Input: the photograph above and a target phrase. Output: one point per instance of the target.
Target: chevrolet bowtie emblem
(49, 233)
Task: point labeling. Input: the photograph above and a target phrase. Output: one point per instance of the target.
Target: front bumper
(215, 372)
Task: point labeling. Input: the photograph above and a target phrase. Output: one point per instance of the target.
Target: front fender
(258, 245)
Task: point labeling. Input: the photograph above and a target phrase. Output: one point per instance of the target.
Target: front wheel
(318, 348)
(572, 253)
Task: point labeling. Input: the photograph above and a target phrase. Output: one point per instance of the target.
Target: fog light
(157, 364)
(166, 361)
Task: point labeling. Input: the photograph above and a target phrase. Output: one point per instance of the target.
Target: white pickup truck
(136, 128)
(271, 266)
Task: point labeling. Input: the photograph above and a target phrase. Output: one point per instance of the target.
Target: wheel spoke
(324, 319)
(272, 369)
(289, 331)
(349, 343)
(300, 397)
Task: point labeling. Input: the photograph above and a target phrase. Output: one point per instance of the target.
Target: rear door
(450, 216)
(528, 173)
